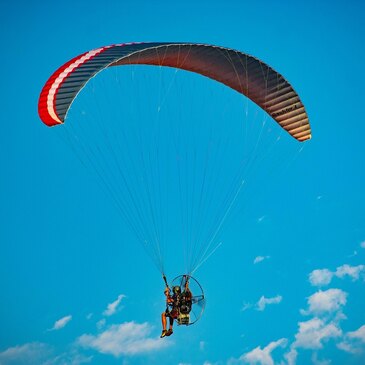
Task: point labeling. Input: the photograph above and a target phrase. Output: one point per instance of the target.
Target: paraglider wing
(243, 73)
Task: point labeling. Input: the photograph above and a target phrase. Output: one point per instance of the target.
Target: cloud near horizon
(38, 353)
(312, 335)
(263, 356)
(325, 308)
(28, 354)
(314, 332)
(129, 338)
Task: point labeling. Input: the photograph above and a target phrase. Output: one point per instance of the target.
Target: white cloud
(326, 310)
(326, 302)
(246, 306)
(320, 277)
(352, 271)
(326, 307)
(263, 302)
(128, 338)
(71, 358)
(362, 244)
(291, 356)
(358, 334)
(61, 323)
(347, 347)
(260, 259)
(33, 353)
(36, 353)
(100, 324)
(263, 356)
(353, 341)
(314, 332)
(112, 307)
(316, 361)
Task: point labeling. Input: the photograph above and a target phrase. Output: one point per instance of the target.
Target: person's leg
(171, 323)
(163, 320)
(170, 330)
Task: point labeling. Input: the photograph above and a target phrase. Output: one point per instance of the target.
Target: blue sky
(287, 284)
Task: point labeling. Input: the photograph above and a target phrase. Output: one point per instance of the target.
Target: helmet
(176, 289)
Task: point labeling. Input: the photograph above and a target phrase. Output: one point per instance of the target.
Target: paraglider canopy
(243, 73)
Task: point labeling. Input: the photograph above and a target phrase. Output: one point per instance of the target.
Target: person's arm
(186, 283)
(167, 289)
